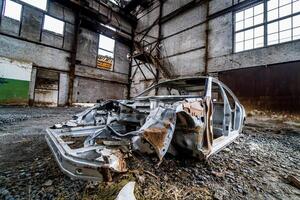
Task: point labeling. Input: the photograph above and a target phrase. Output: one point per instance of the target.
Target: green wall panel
(13, 91)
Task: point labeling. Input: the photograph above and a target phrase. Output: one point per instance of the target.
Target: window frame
(4, 8)
(52, 32)
(28, 4)
(279, 19)
(113, 52)
(265, 24)
(254, 26)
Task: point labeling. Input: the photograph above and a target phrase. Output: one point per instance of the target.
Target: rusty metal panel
(276, 87)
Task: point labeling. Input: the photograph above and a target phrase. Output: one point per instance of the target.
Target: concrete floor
(254, 166)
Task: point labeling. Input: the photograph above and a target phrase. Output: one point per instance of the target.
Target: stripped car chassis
(198, 117)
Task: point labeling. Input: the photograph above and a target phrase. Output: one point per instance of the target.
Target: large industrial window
(249, 28)
(283, 21)
(54, 25)
(273, 22)
(12, 10)
(105, 52)
(41, 4)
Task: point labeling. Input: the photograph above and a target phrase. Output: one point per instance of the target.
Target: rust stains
(122, 167)
(208, 132)
(156, 136)
(194, 108)
(73, 142)
(116, 160)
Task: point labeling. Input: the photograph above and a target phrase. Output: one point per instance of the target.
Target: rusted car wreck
(195, 116)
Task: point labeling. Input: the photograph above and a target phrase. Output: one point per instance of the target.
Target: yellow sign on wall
(104, 62)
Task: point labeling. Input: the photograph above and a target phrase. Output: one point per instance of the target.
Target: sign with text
(104, 62)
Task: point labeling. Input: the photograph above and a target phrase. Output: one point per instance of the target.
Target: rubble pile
(262, 163)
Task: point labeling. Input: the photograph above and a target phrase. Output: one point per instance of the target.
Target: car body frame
(193, 116)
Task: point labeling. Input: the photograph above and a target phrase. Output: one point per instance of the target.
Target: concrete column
(32, 86)
(63, 89)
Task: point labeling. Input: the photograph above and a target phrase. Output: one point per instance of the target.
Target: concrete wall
(97, 80)
(15, 81)
(97, 90)
(221, 56)
(27, 41)
(194, 39)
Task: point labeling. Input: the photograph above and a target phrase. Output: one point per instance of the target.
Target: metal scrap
(95, 143)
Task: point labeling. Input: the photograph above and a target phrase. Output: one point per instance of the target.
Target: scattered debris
(294, 181)
(5, 194)
(127, 192)
(292, 123)
(48, 183)
(150, 173)
(254, 112)
(26, 164)
(218, 174)
(256, 161)
(220, 193)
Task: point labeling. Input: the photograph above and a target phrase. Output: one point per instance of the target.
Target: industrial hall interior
(149, 99)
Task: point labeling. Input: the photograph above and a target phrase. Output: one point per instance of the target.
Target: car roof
(191, 83)
(188, 83)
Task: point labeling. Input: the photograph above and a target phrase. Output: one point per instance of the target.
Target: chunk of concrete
(127, 192)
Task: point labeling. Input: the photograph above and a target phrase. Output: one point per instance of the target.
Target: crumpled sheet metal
(208, 132)
(177, 124)
(154, 136)
(158, 129)
(196, 115)
(114, 159)
(161, 122)
(194, 108)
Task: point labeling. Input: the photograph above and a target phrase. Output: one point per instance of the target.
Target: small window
(105, 52)
(12, 10)
(41, 4)
(53, 25)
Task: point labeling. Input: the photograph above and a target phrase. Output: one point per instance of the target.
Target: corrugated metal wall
(275, 87)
